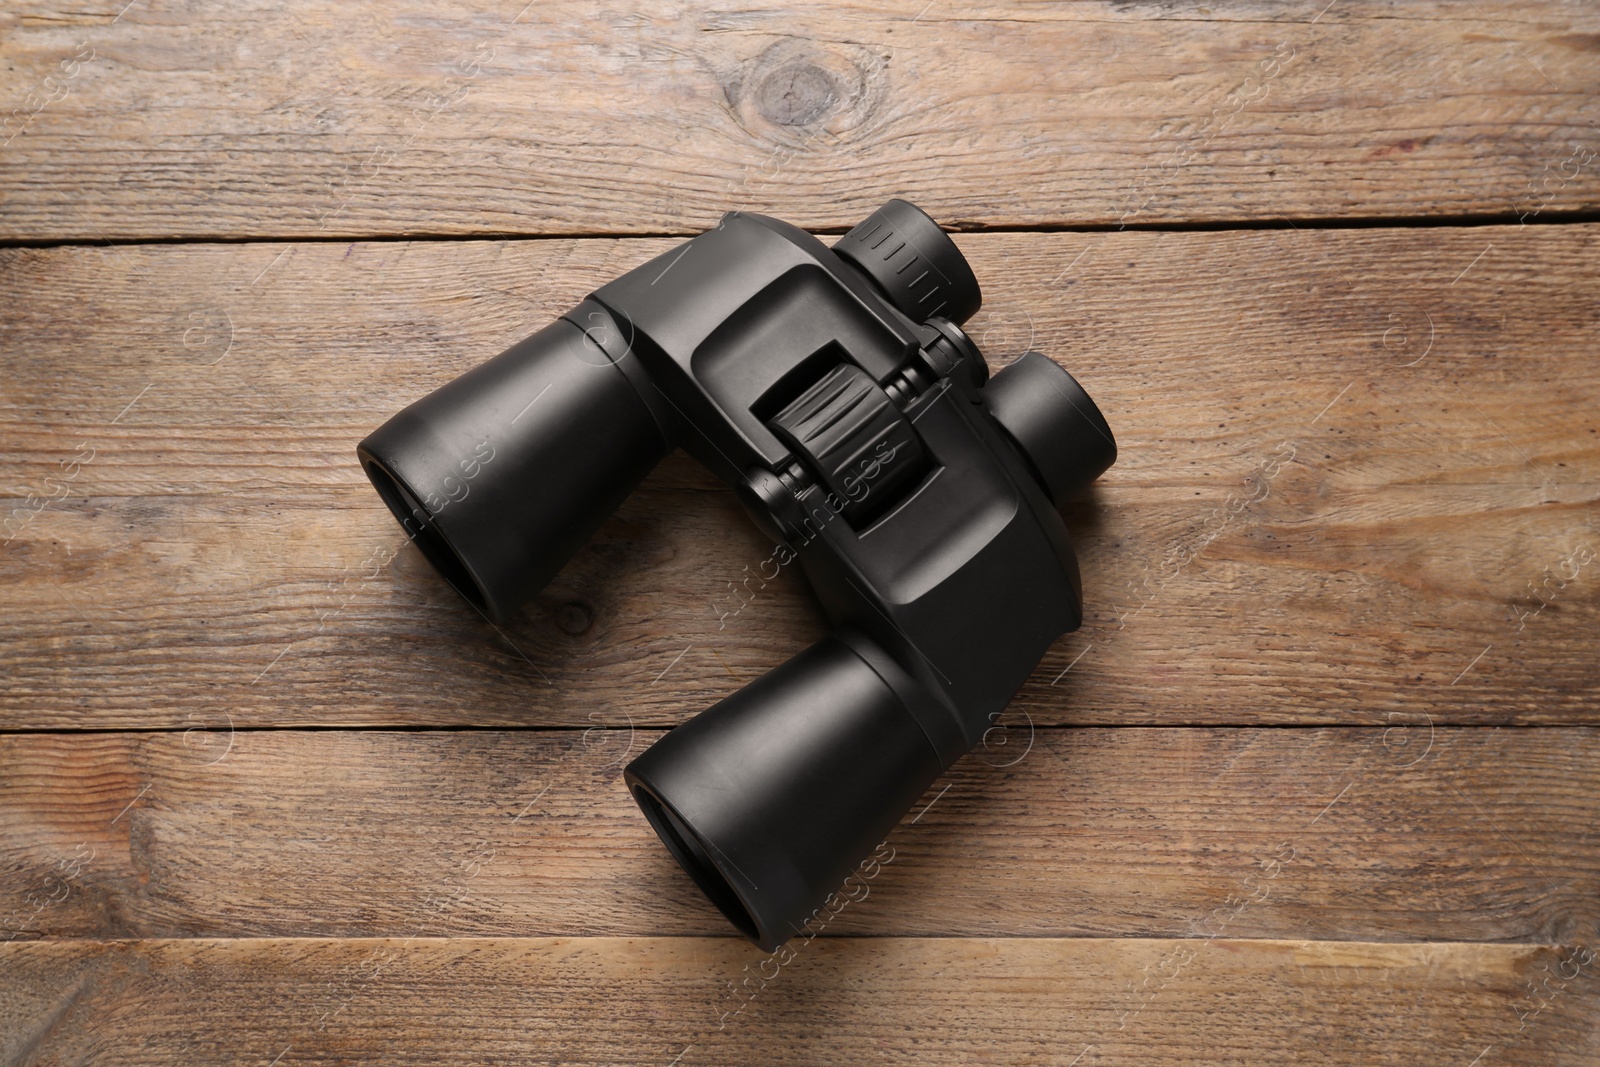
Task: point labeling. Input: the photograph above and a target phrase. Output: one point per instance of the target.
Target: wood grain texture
(1328, 833)
(184, 119)
(1358, 483)
(919, 1001)
(1315, 783)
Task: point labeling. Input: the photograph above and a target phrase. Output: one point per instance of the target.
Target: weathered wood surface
(920, 1001)
(1358, 483)
(1329, 833)
(155, 119)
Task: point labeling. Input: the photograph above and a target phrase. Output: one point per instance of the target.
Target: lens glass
(685, 846)
(419, 526)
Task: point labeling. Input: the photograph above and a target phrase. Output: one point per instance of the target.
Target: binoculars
(834, 390)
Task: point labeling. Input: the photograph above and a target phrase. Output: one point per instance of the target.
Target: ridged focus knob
(860, 445)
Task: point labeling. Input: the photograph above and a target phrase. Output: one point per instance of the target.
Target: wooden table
(1317, 782)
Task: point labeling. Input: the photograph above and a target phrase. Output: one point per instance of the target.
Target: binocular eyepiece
(834, 390)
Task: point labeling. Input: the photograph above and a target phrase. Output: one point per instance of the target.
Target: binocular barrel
(836, 392)
(502, 474)
(772, 796)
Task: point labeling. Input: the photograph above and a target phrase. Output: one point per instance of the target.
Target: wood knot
(574, 617)
(796, 94)
(806, 87)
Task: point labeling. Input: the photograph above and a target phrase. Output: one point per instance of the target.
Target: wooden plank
(920, 1001)
(1329, 833)
(1357, 483)
(184, 119)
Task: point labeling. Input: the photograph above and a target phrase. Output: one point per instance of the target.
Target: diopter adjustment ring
(915, 263)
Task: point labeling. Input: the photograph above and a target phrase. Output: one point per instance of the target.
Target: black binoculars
(834, 389)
